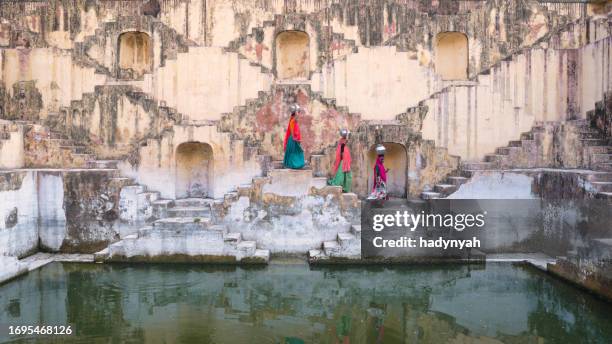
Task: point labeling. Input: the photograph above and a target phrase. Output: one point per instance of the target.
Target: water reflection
(295, 304)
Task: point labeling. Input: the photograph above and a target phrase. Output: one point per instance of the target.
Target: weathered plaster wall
(546, 210)
(234, 162)
(11, 145)
(18, 213)
(552, 83)
(331, 27)
(57, 78)
(377, 82)
(57, 211)
(292, 219)
(207, 82)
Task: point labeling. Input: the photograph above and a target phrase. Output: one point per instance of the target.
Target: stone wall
(58, 211)
(233, 161)
(539, 210)
(18, 213)
(558, 81)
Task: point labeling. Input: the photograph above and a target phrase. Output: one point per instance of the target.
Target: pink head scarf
(381, 171)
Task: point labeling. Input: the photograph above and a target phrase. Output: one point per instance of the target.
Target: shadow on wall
(396, 162)
(292, 55)
(194, 170)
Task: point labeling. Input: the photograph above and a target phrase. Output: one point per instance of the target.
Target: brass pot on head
(381, 150)
(294, 108)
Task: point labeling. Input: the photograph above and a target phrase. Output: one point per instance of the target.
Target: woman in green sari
(294, 155)
(342, 166)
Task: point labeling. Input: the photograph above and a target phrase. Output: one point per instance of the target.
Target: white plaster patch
(496, 185)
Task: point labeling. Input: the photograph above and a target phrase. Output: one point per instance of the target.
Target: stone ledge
(10, 267)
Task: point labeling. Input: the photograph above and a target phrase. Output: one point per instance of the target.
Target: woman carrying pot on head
(379, 189)
(342, 166)
(294, 155)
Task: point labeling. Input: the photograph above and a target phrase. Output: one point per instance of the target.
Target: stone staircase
(193, 229)
(346, 247)
(595, 153)
(46, 148)
(589, 265)
(182, 230)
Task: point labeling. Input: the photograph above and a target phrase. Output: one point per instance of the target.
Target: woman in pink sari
(379, 187)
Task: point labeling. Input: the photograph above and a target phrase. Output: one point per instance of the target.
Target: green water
(285, 303)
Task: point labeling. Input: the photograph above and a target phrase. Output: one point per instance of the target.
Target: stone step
(144, 231)
(494, 158)
(278, 165)
(604, 195)
(193, 202)
(262, 255)
(147, 197)
(116, 248)
(316, 254)
(526, 144)
(188, 211)
(599, 149)
(508, 150)
(61, 142)
(527, 136)
(603, 166)
(602, 186)
(600, 177)
(345, 239)
(515, 144)
(445, 189)
(160, 207)
(602, 243)
(136, 189)
(319, 182)
(244, 189)
(247, 248)
(593, 134)
(77, 149)
(102, 255)
(104, 164)
(163, 202)
(478, 166)
(57, 135)
(182, 223)
(331, 247)
(594, 142)
(430, 195)
(457, 180)
(356, 230)
(233, 238)
(595, 158)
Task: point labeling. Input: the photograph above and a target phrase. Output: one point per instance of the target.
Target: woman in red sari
(294, 155)
(342, 166)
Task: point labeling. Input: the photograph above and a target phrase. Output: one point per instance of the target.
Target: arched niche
(396, 160)
(135, 53)
(194, 170)
(293, 55)
(451, 55)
